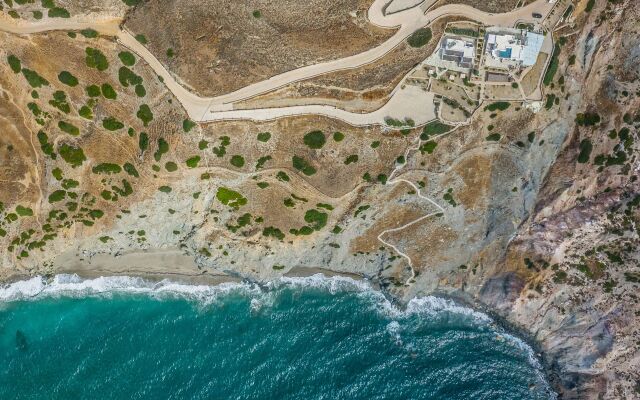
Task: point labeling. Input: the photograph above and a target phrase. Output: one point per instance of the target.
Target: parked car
(536, 15)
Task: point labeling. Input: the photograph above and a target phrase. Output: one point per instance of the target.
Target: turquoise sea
(296, 338)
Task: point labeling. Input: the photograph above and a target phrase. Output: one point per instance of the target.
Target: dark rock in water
(21, 341)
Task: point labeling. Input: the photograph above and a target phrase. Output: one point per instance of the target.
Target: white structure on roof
(519, 47)
(459, 51)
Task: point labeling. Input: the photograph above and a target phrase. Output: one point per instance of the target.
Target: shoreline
(173, 265)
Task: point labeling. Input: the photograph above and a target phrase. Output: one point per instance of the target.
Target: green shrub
(108, 92)
(14, 63)
(163, 148)
(85, 112)
(590, 5)
(57, 196)
(375, 144)
(351, 159)
(553, 66)
(112, 124)
(131, 170)
(262, 185)
(34, 80)
(463, 31)
(587, 119)
(261, 161)
(428, 147)
(170, 53)
(74, 156)
(282, 176)
(68, 128)
(301, 164)
(89, 33)
(125, 191)
(171, 166)
(187, 125)
(420, 37)
(237, 161)
(128, 77)
(230, 198)
(314, 139)
(127, 58)
(434, 128)
(193, 161)
(585, 151)
(93, 91)
(68, 79)
(96, 59)
(47, 148)
(338, 136)
(264, 136)
(58, 12)
(550, 100)
(143, 141)
(317, 219)
(106, 168)
(498, 105)
(273, 232)
(165, 189)
(494, 137)
(24, 211)
(60, 101)
(145, 114)
(141, 38)
(140, 91)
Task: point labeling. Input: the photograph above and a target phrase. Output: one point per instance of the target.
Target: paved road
(212, 108)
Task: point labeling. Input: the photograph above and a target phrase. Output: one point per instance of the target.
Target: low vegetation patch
(315, 139)
(193, 161)
(420, 37)
(145, 114)
(434, 128)
(74, 156)
(264, 136)
(498, 105)
(96, 59)
(230, 198)
(108, 92)
(302, 165)
(585, 151)
(68, 79)
(127, 58)
(112, 124)
(187, 125)
(68, 128)
(106, 168)
(237, 161)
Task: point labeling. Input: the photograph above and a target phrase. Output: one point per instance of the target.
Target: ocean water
(299, 338)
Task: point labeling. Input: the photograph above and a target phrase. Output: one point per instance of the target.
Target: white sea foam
(393, 328)
(73, 286)
(431, 305)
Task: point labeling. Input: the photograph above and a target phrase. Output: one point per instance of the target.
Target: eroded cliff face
(539, 223)
(570, 273)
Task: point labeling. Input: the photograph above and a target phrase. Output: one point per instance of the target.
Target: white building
(521, 47)
(459, 51)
